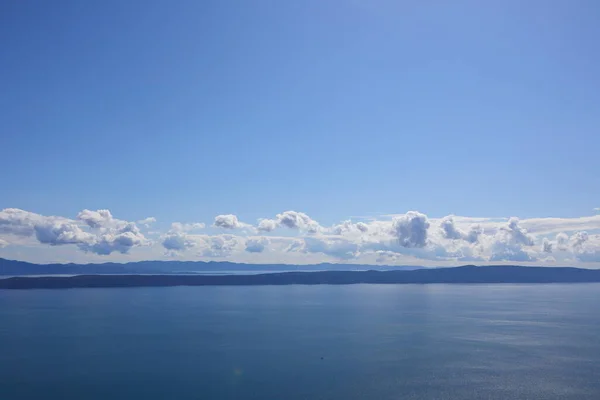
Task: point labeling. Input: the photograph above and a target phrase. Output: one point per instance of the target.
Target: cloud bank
(91, 231)
(293, 236)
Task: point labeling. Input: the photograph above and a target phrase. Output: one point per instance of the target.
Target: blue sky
(186, 110)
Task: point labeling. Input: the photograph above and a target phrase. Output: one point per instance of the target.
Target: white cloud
(509, 241)
(18, 222)
(220, 246)
(475, 232)
(450, 231)
(386, 257)
(509, 251)
(411, 229)
(547, 246)
(298, 220)
(336, 247)
(146, 222)
(409, 239)
(115, 236)
(217, 246)
(267, 225)
(96, 219)
(562, 241)
(178, 239)
(555, 225)
(59, 232)
(295, 246)
(349, 228)
(188, 227)
(120, 242)
(579, 238)
(516, 233)
(292, 220)
(586, 247)
(229, 221)
(177, 242)
(589, 256)
(257, 245)
(93, 231)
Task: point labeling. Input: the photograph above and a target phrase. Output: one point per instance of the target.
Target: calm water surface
(302, 342)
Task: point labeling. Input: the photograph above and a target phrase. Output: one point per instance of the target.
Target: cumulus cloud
(547, 246)
(208, 246)
(177, 242)
(579, 238)
(96, 219)
(146, 222)
(509, 251)
(220, 246)
(229, 221)
(449, 230)
(57, 232)
(179, 239)
(267, 225)
(562, 241)
(474, 233)
(116, 236)
(575, 244)
(93, 231)
(298, 220)
(508, 243)
(518, 234)
(404, 238)
(18, 222)
(257, 245)
(295, 245)
(292, 220)
(411, 229)
(348, 227)
(114, 242)
(3, 243)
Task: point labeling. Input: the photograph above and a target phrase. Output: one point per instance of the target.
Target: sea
(302, 342)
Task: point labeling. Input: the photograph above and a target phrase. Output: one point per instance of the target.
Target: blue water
(377, 342)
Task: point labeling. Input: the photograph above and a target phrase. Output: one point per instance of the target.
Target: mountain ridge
(14, 267)
(468, 274)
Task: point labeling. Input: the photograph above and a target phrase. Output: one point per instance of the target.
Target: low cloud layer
(92, 231)
(292, 236)
(257, 245)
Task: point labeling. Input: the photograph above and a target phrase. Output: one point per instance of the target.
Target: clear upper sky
(188, 109)
(185, 110)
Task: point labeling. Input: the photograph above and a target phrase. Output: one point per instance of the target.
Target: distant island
(20, 268)
(465, 274)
